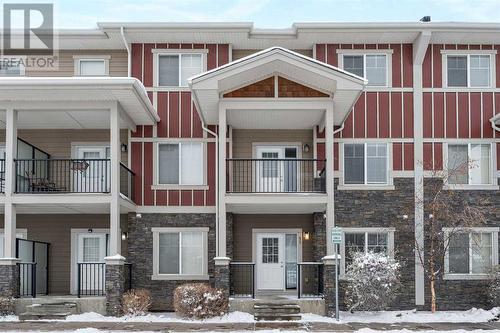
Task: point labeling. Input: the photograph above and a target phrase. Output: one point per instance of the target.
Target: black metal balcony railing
(69, 176)
(91, 279)
(242, 279)
(274, 176)
(310, 279)
(2, 175)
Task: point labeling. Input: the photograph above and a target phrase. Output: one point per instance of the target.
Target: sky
(267, 13)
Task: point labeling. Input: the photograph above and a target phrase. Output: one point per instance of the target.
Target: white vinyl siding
(366, 163)
(180, 253)
(180, 163)
(469, 164)
(373, 67)
(174, 70)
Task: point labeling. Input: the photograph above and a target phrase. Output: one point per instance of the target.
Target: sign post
(336, 240)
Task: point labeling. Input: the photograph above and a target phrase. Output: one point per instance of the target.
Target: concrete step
(277, 317)
(49, 311)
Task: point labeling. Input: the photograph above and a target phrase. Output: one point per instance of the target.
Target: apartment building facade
(161, 154)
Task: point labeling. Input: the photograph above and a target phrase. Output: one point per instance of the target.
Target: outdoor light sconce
(89, 230)
(124, 235)
(306, 148)
(306, 235)
(405, 217)
(124, 147)
(138, 215)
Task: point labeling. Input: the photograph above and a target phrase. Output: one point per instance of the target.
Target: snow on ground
(472, 315)
(364, 330)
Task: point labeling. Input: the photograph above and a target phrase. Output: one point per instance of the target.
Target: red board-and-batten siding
(387, 113)
(455, 114)
(179, 119)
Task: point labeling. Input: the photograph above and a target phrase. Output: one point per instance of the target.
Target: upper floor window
(373, 67)
(91, 66)
(469, 70)
(365, 163)
(11, 68)
(469, 164)
(180, 163)
(175, 69)
(471, 252)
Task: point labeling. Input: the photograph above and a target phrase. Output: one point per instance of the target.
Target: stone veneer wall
(465, 294)
(381, 208)
(140, 252)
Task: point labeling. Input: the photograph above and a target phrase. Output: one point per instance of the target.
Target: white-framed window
(373, 67)
(173, 69)
(469, 164)
(468, 70)
(180, 253)
(180, 163)
(91, 65)
(10, 67)
(471, 253)
(366, 164)
(379, 240)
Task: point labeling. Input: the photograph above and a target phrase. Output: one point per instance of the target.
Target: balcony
(275, 176)
(46, 176)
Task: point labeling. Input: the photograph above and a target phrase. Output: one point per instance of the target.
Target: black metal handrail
(127, 182)
(250, 175)
(91, 279)
(309, 279)
(27, 279)
(63, 175)
(242, 279)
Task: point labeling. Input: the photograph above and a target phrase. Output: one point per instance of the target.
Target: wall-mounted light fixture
(124, 235)
(124, 147)
(89, 230)
(306, 148)
(431, 216)
(138, 215)
(306, 235)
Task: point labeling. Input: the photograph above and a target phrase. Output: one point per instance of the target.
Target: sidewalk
(226, 327)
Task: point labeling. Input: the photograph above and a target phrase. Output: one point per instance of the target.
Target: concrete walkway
(226, 327)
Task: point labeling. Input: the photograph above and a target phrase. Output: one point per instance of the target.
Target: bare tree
(446, 213)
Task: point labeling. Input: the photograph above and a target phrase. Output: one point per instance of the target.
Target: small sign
(336, 235)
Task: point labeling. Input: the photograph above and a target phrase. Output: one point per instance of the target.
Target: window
(373, 67)
(366, 240)
(180, 253)
(471, 252)
(365, 163)
(472, 70)
(11, 68)
(92, 67)
(180, 163)
(174, 70)
(469, 164)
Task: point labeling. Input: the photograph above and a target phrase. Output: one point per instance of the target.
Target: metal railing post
(78, 279)
(298, 281)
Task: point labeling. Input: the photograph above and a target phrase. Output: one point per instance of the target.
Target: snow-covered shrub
(7, 306)
(494, 288)
(199, 300)
(372, 281)
(136, 302)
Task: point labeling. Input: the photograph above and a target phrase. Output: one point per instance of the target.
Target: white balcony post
(330, 217)
(10, 179)
(114, 212)
(221, 225)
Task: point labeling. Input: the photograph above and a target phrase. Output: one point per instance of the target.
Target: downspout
(129, 55)
(493, 125)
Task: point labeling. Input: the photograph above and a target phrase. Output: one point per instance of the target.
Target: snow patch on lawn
(9, 318)
(471, 316)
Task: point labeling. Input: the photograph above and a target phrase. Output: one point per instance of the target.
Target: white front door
(269, 173)
(91, 249)
(270, 261)
(92, 174)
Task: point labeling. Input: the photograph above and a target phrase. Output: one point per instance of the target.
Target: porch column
(9, 271)
(330, 217)
(221, 260)
(329, 260)
(115, 263)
